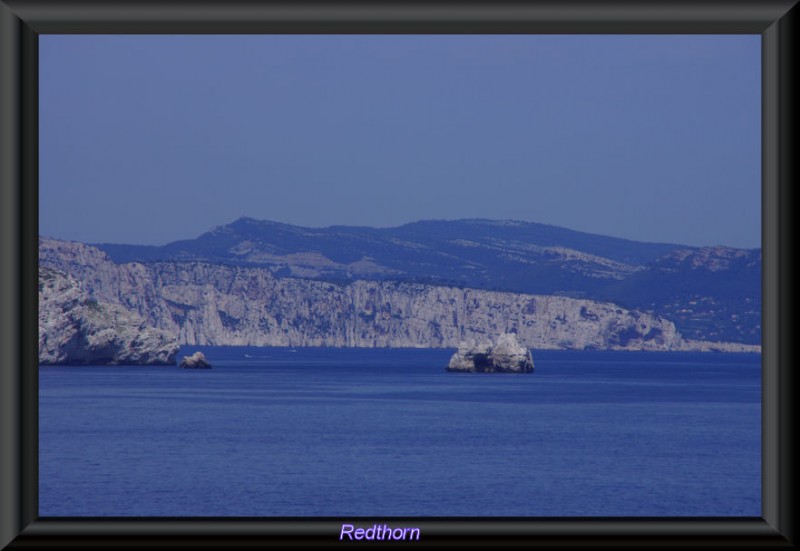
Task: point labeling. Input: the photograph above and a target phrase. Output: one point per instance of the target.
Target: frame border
(21, 22)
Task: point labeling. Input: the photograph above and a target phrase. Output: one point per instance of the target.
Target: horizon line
(379, 228)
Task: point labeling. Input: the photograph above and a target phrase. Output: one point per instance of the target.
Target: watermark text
(377, 532)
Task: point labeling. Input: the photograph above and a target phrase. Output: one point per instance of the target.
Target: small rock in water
(507, 356)
(195, 361)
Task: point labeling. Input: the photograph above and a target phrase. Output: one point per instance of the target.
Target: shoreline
(703, 346)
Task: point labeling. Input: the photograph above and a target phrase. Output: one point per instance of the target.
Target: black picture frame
(21, 21)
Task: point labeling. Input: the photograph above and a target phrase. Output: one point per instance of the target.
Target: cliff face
(74, 328)
(711, 293)
(207, 304)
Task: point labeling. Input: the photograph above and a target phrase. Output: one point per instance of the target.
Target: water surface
(366, 432)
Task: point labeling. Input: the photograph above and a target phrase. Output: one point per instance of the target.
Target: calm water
(334, 432)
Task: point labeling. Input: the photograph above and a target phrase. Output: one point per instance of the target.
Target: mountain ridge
(717, 297)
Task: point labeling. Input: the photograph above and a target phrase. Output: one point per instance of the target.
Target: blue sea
(387, 432)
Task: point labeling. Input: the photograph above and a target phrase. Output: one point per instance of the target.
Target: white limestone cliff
(74, 328)
(208, 304)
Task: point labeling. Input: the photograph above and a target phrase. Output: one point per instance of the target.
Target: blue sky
(149, 139)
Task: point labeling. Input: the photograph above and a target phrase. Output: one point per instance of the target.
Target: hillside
(212, 304)
(712, 293)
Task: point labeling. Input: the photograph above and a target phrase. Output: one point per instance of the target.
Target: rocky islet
(504, 356)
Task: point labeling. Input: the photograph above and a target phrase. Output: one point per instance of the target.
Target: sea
(313, 432)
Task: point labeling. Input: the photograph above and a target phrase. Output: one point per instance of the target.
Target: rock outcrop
(506, 356)
(195, 361)
(210, 304)
(76, 329)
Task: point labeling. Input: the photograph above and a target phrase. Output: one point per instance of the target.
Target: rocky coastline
(76, 329)
(220, 305)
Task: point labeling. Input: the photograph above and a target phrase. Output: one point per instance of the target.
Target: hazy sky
(149, 139)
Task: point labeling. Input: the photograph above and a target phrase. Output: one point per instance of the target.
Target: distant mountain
(505, 255)
(710, 293)
(213, 304)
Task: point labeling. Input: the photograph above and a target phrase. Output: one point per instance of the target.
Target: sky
(149, 139)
